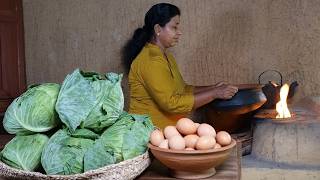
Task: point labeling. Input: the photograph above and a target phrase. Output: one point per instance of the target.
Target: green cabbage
(89, 104)
(34, 111)
(90, 100)
(84, 133)
(24, 152)
(64, 154)
(98, 156)
(129, 136)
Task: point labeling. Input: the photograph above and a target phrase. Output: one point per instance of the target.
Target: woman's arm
(198, 89)
(206, 94)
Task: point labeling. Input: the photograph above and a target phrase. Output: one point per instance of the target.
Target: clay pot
(234, 115)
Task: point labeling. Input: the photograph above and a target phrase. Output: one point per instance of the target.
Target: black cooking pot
(248, 98)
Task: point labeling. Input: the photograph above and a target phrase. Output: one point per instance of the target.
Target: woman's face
(170, 33)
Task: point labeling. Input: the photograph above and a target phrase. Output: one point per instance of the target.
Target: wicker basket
(128, 169)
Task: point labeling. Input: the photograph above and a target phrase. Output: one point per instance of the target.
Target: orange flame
(282, 106)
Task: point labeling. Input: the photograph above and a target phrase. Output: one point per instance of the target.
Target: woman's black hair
(158, 14)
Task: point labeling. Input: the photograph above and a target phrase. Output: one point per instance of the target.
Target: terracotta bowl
(193, 164)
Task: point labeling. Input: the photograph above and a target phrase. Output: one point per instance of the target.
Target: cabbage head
(24, 152)
(90, 100)
(34, 111)
(129, 136)
(64, 154)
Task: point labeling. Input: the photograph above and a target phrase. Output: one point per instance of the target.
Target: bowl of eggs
(191, 150)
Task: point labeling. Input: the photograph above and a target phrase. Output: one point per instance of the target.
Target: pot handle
(269, 70)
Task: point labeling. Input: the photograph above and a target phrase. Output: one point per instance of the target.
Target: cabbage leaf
(98, 156)
(84, 133)
(90, 100)
(129, 136)
(64, 154)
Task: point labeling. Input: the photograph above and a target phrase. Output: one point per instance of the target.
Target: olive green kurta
(157, 88)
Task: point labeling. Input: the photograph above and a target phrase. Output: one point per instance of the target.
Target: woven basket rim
(5, 169)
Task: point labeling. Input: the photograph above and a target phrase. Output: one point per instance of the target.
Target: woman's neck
(157, 43)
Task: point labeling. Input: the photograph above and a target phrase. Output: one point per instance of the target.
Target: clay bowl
(193, 164)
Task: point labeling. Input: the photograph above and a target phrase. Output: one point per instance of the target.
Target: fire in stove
(282, 106)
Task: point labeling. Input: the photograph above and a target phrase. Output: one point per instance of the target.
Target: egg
(177, 143)
(191, 140)
(205, 142)
(156, 137)
(170, 131)
(197, 125)
(186, 126)
(164, 144)
(206, 130)
(189, 149)
(223, 138)
(217, 146)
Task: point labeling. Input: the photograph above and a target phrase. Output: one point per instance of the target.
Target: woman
(156, 85)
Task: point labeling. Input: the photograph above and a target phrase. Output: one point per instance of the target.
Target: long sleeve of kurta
(162, 86)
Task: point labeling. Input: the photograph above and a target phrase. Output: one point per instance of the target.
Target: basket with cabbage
(76, 131)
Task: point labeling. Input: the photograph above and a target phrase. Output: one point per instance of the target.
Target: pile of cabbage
(75, 127)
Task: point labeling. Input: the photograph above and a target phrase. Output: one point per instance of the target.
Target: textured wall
(224, 40)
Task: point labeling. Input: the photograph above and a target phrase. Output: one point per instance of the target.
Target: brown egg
(217, 146)
(186, 126)
(197, 125)
(164, 144)
(156, 137)
(189, 149)
(170, 131)
(177, 143)
(205, 142)
(223, 138)
(191, 140)
(206, 130)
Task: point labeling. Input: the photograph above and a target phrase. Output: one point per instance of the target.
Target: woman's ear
(157, 29)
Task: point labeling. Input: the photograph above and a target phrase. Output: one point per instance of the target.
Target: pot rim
(248, 86)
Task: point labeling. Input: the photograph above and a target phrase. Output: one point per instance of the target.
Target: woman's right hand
(224, 91)
(221, 90)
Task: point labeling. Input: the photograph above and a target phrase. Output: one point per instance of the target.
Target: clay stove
(293, 141)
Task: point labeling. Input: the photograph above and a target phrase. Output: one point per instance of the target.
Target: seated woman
(156, 85)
